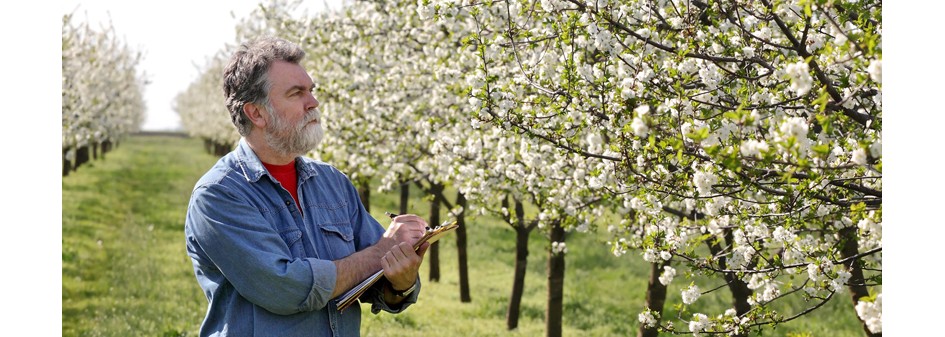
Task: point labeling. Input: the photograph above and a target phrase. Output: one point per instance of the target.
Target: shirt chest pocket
(338, 239)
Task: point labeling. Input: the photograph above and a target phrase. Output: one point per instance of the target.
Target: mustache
(313, 115)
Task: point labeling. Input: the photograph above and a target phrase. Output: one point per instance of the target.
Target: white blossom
(876, 149)
(858, 156)
(703, 182)
(647, 319)
(639, 127)
(799, 74)
(753, 148)
(698, 324)
(794, 127)
(559, 248)
(876, 70)
(667, 276)
(691, 294)
(871, 313)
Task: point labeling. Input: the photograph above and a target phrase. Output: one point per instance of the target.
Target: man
(274, 236)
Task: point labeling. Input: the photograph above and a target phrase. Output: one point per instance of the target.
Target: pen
(394, 215)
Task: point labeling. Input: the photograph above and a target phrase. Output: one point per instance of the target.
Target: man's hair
(245, 77)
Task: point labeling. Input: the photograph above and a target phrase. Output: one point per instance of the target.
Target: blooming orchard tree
(102, 90)
(742, 140)
(202, 108)
(374, 68)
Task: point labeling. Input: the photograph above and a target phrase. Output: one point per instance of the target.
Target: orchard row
(102, 92)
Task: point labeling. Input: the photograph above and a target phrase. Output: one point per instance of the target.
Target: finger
(385, 262)
(422, 250)
(401, 251)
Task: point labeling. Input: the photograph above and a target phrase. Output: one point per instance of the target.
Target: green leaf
(821, 149)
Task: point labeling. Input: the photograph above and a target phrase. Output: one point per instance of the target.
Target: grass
(124, 268)
(125, 271)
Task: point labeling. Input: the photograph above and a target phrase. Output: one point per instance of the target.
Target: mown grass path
(124, 268)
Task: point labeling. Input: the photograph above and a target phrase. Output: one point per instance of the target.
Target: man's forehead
(287, 75)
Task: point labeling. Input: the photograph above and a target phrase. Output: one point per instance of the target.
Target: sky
(175, 37)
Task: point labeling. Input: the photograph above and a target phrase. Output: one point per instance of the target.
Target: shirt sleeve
(375, 296)
(253, 256)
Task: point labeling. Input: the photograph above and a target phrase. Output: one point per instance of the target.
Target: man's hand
(407, 228)
(401, 264)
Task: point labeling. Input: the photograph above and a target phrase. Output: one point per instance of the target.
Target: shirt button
(287, 203)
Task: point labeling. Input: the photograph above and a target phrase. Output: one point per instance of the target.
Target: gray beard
(295, 140)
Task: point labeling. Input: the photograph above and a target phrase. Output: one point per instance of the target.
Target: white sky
(174, 36)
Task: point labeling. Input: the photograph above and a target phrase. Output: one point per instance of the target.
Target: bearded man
(275, 236)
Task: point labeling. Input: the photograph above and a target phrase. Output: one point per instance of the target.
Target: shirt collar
(253, 169)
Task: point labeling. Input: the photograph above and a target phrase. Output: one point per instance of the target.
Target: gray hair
(245, 77)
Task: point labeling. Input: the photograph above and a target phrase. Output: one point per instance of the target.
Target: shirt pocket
(339, 239)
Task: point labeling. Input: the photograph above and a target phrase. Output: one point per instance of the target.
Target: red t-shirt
(287, 176)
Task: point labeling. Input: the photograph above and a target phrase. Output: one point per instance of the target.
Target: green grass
(125, 271)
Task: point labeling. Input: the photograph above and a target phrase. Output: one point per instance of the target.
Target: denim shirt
(265, 266)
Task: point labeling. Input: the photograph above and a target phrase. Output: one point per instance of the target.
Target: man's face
(294, 126)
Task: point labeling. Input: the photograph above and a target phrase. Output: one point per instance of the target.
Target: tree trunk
(81, 156)
(220, 150)
(521, 264)
(738, 288)
(95, 151)
(364, 192)
(208, 145)
(857, 282)
(106, 147)
(464, 296)
(655, 299)
(404, 197)
(434, 251)
(66, 164)
(555, 284)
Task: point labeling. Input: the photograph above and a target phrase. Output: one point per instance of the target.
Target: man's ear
(254, 112)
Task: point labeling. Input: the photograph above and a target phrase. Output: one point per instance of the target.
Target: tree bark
(857, 283)
(404, 197)
(106, 147)
(81, 156)
(364, 192)
(555, 284)
(655, 299)
(738, 288)
(220, 150)
(434, 251)
(464, 296)
(66, 164)
(522, 232)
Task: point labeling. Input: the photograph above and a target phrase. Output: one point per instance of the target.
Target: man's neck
(267, 154)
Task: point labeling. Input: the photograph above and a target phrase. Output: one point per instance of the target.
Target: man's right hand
(407, 228)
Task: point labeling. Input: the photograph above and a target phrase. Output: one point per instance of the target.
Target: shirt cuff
(324, 276)
(379, 303)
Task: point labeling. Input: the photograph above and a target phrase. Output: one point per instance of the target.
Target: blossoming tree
(202, 109)
(752, 130)
(102, 91)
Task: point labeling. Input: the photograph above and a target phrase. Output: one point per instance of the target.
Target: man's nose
(312, 102)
